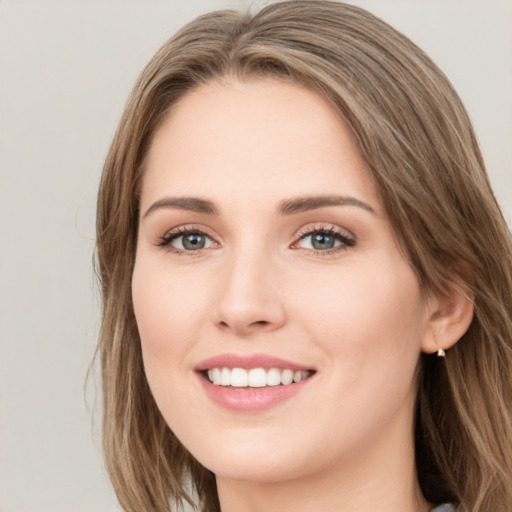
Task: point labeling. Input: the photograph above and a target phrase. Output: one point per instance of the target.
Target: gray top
(444, 508)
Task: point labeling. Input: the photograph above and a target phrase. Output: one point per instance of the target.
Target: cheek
(369, 326)
(369, 321)
(164, 311)
(165, 308)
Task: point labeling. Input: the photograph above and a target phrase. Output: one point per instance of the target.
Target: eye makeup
(323, 234)
(196, 237)
(193, 240)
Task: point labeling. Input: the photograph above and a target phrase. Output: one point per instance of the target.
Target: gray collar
(444, 508)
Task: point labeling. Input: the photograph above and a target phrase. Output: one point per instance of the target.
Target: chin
(255, 462)
(263, 471)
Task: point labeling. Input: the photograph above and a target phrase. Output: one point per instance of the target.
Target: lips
(251, 382)
(248, 362)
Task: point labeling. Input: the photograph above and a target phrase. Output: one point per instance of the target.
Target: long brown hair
(419, 145)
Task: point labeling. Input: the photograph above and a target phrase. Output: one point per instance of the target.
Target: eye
(186, 240)
(325, 240)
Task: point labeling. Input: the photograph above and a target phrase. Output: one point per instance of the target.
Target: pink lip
(249, 399)
(247, 362)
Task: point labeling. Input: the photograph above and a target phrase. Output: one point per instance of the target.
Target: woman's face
(264, 246)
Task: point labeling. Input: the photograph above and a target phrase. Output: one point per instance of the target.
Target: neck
(379, 476)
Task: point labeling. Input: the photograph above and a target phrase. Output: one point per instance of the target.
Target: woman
(306, 277)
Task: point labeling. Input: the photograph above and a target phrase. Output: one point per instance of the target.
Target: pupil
(322, 241)
(193, 241)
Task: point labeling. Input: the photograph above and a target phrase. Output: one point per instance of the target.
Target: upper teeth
(255, 378)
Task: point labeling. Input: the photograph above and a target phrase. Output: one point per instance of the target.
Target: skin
(357, 316)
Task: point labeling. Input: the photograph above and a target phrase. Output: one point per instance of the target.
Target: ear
(449, 317)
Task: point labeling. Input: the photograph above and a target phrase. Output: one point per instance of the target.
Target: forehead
(259, 137)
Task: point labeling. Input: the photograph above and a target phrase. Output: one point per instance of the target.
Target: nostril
(258, 322)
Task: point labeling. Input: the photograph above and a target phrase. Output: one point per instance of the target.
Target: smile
(255, 377)
(252, 382)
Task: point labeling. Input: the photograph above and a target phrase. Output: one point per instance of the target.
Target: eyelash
(346, 240)
(166, 240)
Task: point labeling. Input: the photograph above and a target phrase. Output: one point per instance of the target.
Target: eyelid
(170, 235)
(345, 238)
(325, 226)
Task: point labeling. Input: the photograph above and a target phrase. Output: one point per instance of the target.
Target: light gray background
(66, 68)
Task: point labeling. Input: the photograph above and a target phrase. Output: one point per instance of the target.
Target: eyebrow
(305, 203)
(192, 204)
(285, 207)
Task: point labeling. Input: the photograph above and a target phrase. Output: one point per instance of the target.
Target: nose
(249, 299)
